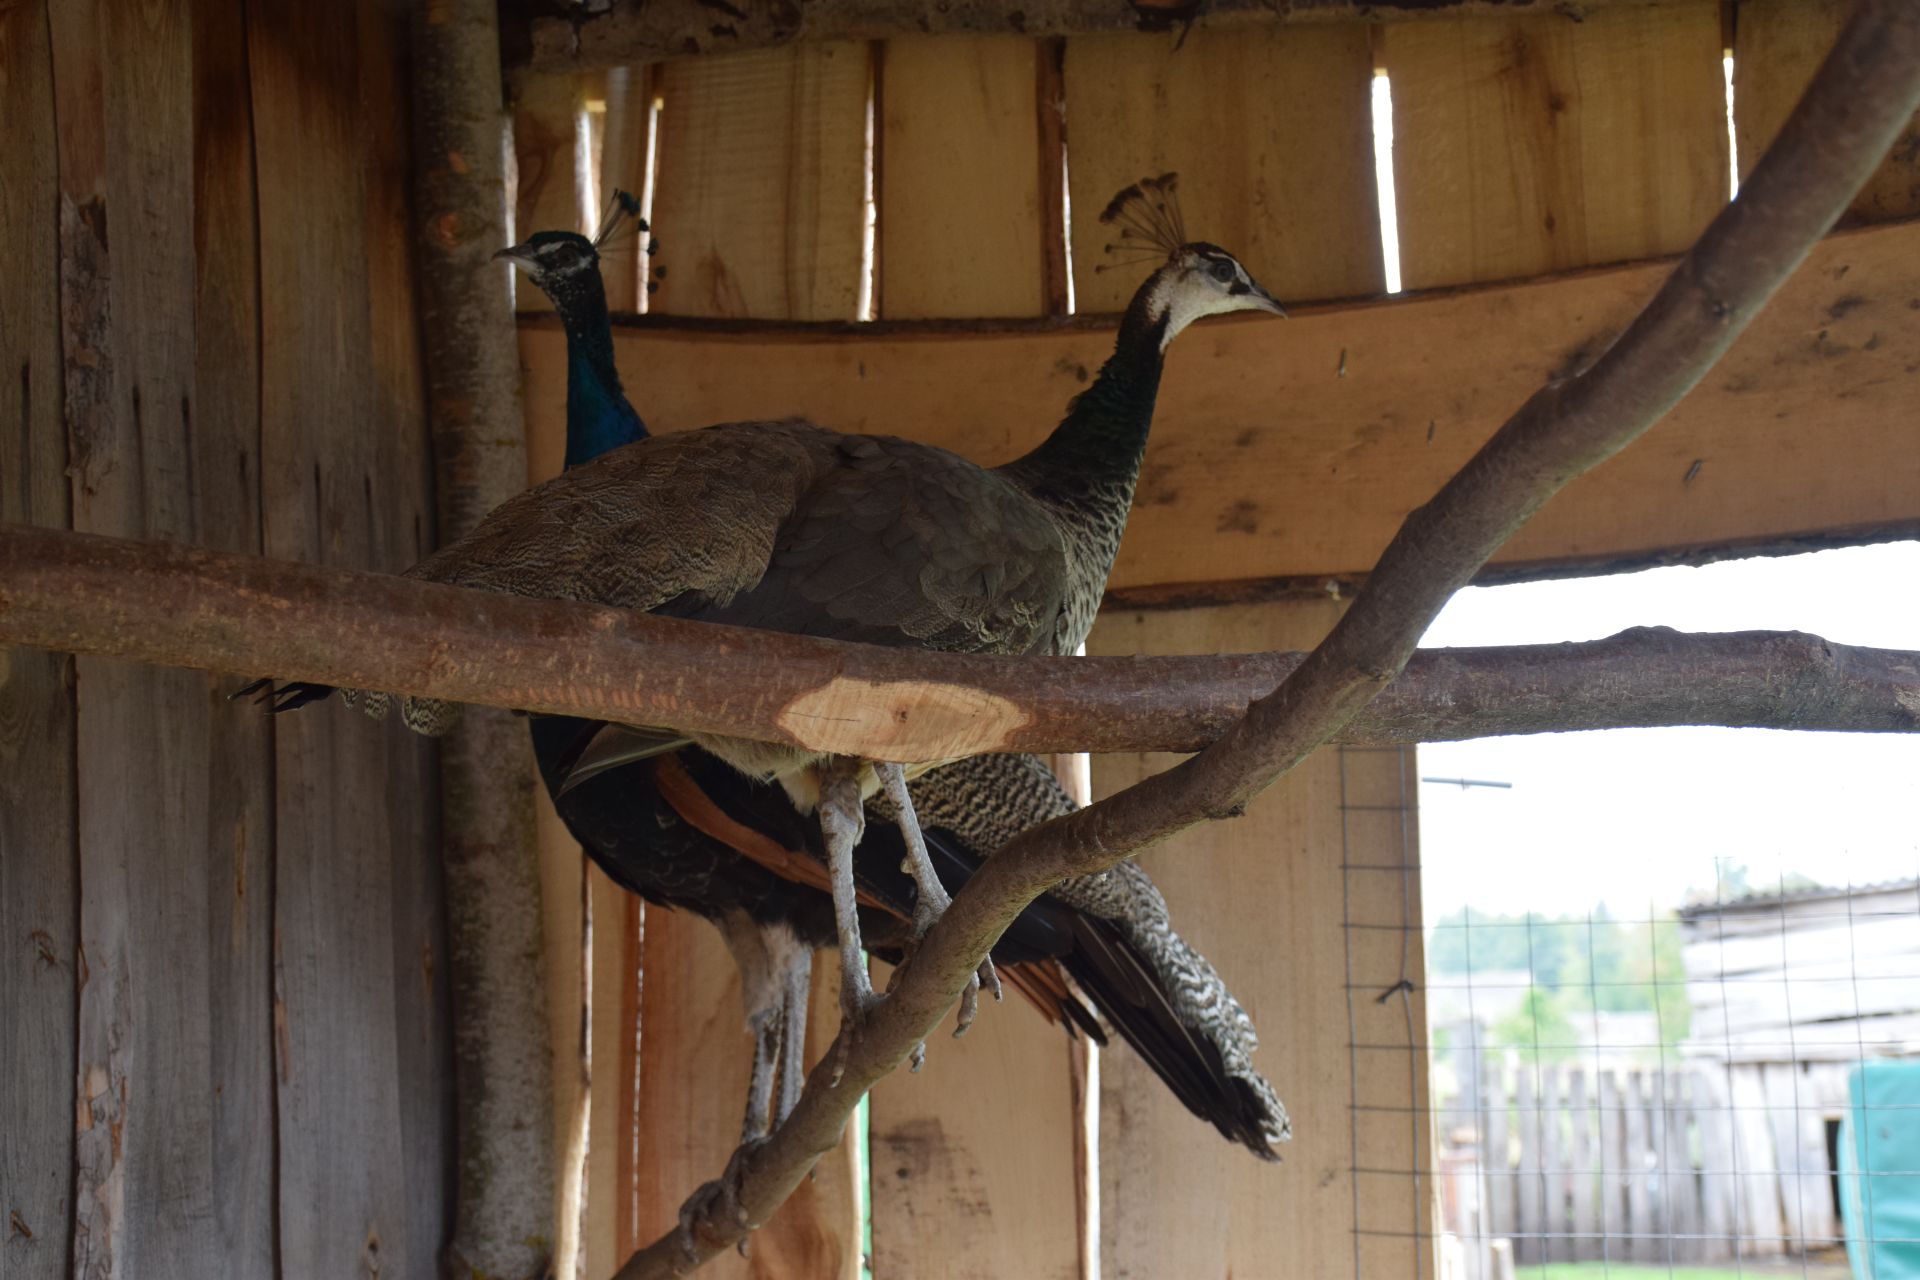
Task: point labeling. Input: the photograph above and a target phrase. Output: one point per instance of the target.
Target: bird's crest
(622, 206)
(1147, 215)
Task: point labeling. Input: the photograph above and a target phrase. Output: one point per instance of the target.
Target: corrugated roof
(1820, 893)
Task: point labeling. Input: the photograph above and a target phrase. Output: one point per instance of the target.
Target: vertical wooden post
(1583, 1164)
(1643, 1247)
(1613, 1178)
(1529, 1244)
(1719, 1186)
(1502, 1192)
(505, 1222)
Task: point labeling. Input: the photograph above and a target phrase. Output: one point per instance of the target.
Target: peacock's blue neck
(599, 416)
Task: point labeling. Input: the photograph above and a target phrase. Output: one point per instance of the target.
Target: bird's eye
(1223, 272)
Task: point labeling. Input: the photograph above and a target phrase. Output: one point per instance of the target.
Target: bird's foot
(984, 976)
(858, 1000)
(722, 1193)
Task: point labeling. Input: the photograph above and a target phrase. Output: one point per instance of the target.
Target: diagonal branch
(1865, 91)
(190, 607)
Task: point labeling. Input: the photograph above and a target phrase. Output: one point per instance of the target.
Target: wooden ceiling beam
(639, 31)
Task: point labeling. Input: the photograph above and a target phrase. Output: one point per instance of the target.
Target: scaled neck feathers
(599, 416)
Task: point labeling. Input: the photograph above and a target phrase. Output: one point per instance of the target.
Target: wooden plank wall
(1529, 145)
(1324, 869)
(240, 917)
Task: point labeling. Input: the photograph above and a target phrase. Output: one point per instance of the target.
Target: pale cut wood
(1535, 144)
(758, 206)
(1174, 1199)
(1777, 44)
(959, 178)
(39, 947)
(695, 1057)
(333, 491)
(1265, 463)
(614, 1081)
(553, 164)
(623, 165)
(980, 1144)
(1271, 133)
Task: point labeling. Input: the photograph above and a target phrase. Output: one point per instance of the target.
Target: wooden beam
(189, 607)
(631, 31)
(1295, 448)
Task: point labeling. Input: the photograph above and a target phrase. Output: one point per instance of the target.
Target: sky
(1636, 818)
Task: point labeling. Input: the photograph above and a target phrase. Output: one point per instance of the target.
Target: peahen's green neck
(599, 416)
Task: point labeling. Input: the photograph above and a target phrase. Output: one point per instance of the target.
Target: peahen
(793, 527)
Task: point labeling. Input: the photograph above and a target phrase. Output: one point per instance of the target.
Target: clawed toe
(724, 1192)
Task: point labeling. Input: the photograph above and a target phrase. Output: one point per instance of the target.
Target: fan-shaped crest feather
(1147, 216)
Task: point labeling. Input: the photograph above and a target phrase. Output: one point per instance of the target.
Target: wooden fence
(1681, 1164)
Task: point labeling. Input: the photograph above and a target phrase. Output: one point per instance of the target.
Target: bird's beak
(517, 254)
(1266, 301)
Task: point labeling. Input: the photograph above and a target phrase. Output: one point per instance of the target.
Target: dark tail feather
(1122, 986)
(1129, 992)
(286, 697)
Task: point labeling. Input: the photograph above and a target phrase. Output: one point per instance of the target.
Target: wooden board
(552, 165)
(146, 1107)
(958, 182)
(758, 203)
(1306, 946)
(981, 1144)
(1265, 462)
(39, 946)
(1288, 185)
(1777, 45)
(625, 161)
(1536, 144)
(335, 492)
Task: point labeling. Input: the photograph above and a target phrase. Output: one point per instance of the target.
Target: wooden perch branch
(1865, 91)
(185, 606)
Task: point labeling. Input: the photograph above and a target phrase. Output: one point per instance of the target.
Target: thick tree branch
(186, 606)
(1865, 91)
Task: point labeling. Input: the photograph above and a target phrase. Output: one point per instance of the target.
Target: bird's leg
(930, 900)
(842, 819)
(797, 983)
(766, 1027)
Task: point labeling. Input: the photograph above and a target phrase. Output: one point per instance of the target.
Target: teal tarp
(1880, 1171)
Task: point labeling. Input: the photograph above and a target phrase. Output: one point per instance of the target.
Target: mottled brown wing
(899, 543)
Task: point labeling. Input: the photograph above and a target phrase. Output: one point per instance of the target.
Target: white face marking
(1187, 291)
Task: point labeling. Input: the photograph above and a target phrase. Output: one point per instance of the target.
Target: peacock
(794, 527)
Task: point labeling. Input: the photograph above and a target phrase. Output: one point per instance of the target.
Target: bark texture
(504, 1209)
(186, 606)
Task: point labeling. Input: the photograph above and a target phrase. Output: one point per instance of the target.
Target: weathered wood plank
(1777, 44)
(225, 441)
(39, 946)
(553, 164)
(1528, 1246)
(1529, 145)
(679, 28)
(1266, 463)
(624, 163)
(759, 192)
(980, 1143)
(615, 960)
(960, 222)
(401, 517)
(1583, 1161)
(1613, 1164)
(1174, 1200)
(123, 82)
(328, 484)
(1289, 187)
